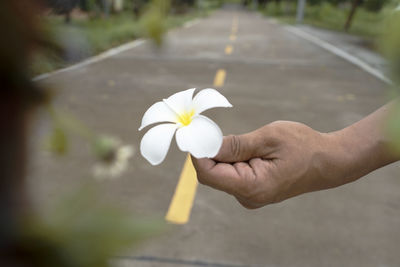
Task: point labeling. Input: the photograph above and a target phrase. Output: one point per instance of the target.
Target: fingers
(241, 179)
(221, 176)
(236, 148)
(260, 143)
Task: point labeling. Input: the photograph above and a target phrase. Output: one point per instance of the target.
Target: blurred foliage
(390, 47)
(20, 36)
(153, 19)
(81, 231)
(58, 142)
(375, 5)
(62, 6)
(104, 147)
(370, 5)
(63, 125)
(330, 16)
(88, 35)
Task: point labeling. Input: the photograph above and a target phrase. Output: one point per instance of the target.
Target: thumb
(237, 148)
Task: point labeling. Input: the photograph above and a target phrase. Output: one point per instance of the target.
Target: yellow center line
(228, 49)
(182, 201)
(219, 79)
(235, 20)
(234, 29)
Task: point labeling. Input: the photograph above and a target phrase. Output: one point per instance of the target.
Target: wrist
(334, 159)
(355, 153)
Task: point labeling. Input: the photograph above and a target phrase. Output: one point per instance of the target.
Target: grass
(365, 23)
(85, 37)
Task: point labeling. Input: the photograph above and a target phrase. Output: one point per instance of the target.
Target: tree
(262, 3)
(351, 14)
(63, 7)
(374, 5)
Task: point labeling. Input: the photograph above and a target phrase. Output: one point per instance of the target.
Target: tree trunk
(68, 17)
(351, 15)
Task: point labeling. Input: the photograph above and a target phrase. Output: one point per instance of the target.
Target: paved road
(271, 74)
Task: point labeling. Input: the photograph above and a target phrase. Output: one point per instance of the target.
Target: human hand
(278, 161)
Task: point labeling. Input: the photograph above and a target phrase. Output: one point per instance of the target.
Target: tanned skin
(284, 159)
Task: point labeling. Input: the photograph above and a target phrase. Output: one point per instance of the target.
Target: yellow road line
(235, 20)
(219, 79)
(234, 30)
(228, 49)
(234, 25)
(182, 201)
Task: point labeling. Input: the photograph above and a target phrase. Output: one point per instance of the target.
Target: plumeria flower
(112, 157)
(195, 133)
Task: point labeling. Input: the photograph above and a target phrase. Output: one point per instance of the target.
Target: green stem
(70, 123)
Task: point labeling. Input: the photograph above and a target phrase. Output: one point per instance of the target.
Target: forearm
(284, 159)
(363, 146)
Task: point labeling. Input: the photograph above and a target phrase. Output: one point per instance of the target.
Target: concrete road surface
(271, 75)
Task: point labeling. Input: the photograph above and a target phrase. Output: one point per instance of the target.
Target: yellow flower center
(186, 118)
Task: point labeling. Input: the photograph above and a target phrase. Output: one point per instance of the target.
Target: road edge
(107, 54)
(339, 52)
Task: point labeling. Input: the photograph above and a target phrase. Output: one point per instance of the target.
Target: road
(271, 74)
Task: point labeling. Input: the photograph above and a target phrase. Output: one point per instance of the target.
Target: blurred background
(78, 75)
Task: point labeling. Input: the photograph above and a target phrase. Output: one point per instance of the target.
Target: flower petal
(181, 101)
(155, 143)
(209, 98)
(202, 137)
(158, 112)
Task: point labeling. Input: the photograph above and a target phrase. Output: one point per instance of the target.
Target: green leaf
(58, 142)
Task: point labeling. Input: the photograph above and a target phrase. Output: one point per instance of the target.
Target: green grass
(365, 23)
(88, 37)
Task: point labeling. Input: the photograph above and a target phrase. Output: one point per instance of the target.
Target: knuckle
(235, 145)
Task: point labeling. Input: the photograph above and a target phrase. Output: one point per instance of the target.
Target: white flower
(195, 133)
(113, 158)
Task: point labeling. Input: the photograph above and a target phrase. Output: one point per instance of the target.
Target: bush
(329, 16)
(374, 5)
(280, 8)
(62, 6)
(87, 5)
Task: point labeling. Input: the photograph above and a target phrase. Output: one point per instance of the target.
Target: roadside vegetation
(367, 20)
(81, 29)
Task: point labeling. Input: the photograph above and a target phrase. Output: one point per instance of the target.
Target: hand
(285, 159)
(278, 161)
